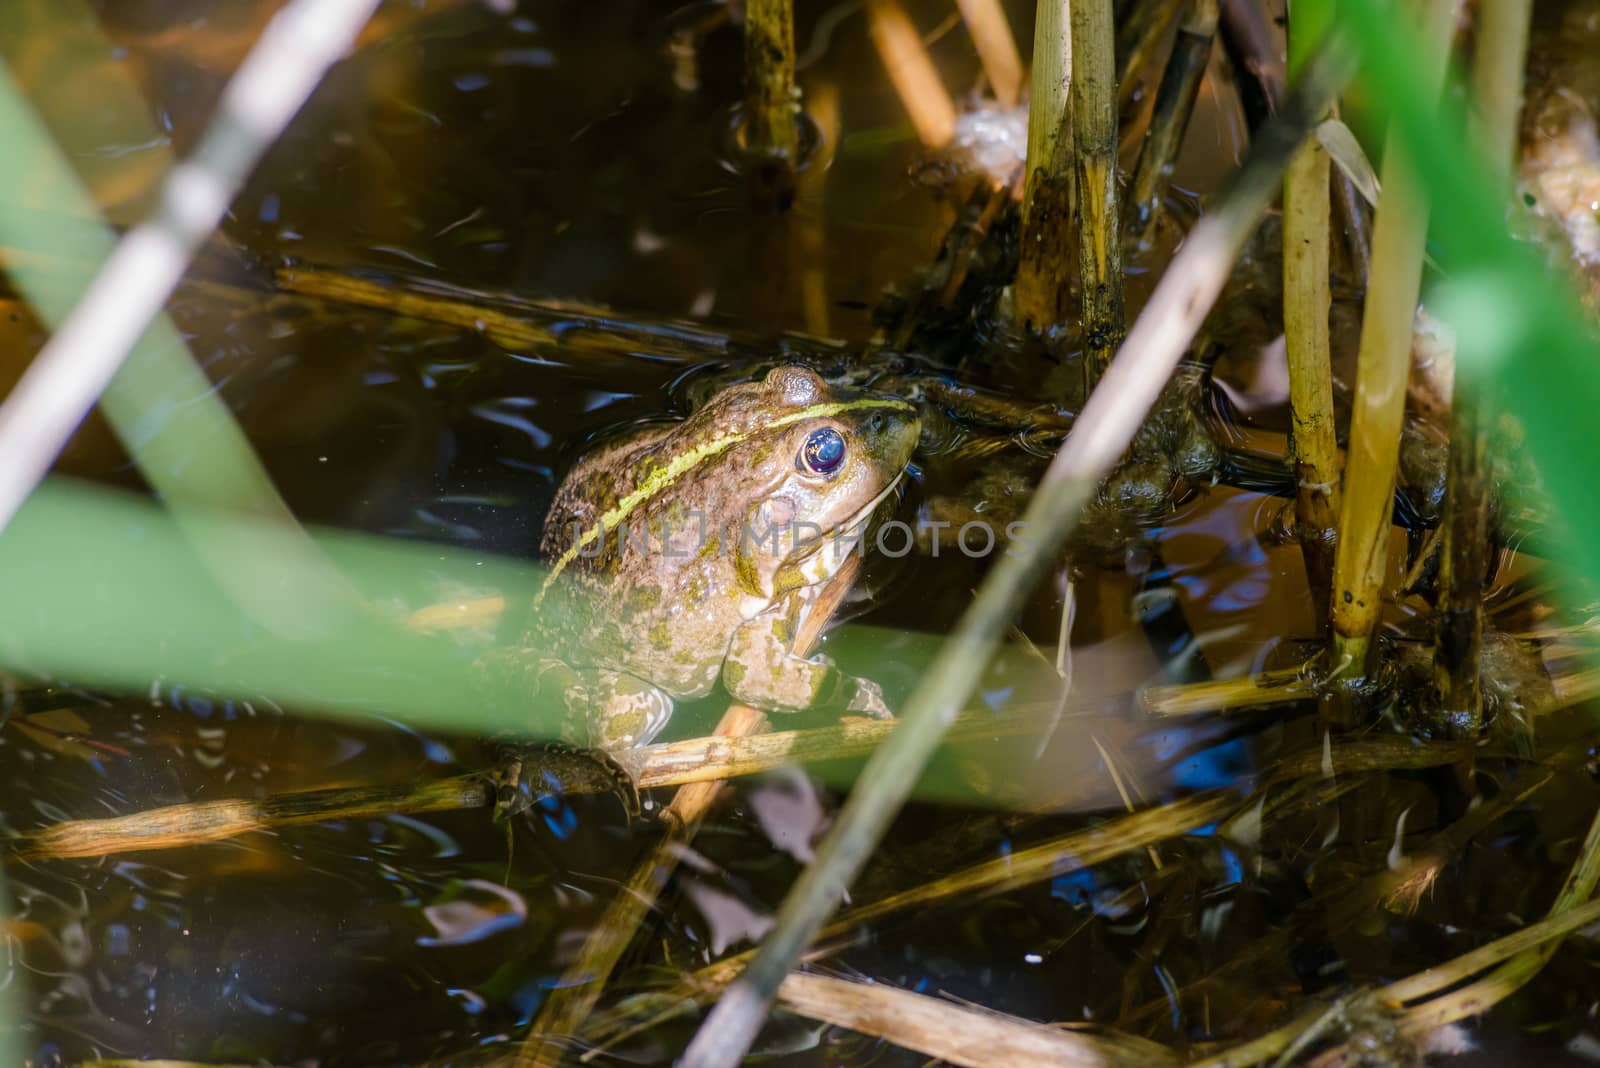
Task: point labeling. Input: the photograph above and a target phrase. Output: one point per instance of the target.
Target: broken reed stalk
(1109, 421)
(1180, 85)
(1094, 133)
(1306, 301)
(1383, 364)
(771, 128)
(1501, 41)
(997, 49)
(957, 1034)
(911, 70)
(1040, 293)
(582, 983)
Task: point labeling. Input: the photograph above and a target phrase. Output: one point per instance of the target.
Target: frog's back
(639, 596)
(600, 479)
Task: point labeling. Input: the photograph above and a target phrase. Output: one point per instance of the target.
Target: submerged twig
(1111, 417)
(79, 361)
(1094, 132)
(571, 1003)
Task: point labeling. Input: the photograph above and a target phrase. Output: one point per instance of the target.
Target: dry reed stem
(811, 236)
(1478, 997)
(1306, 300)
(1070, 852)
(911, 70)
(137, 1062)
(1338, 908)
(997, 49)
(1383, 363)
(1040, 293)
(1169, 120)
(957, 1034)
(1094, 132)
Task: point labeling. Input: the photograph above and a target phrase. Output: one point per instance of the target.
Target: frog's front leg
(762, 671)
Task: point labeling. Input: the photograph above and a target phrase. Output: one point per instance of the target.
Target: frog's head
(819, 464)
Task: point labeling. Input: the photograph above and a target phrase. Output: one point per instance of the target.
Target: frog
(689, 553)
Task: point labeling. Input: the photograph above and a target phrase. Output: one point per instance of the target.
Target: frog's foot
(535, 775)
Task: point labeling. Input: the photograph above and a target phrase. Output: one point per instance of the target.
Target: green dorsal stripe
(663, 477)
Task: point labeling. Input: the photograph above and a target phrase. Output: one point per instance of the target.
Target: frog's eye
(823, 451)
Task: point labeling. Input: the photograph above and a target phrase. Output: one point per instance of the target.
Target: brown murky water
(562, 153)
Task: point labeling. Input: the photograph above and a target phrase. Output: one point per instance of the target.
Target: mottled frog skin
(694, 551)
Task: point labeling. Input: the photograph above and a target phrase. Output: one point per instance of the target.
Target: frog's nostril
(875, 422)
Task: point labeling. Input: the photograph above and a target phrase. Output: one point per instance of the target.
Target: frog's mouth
(859, 518)
(829, 554)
